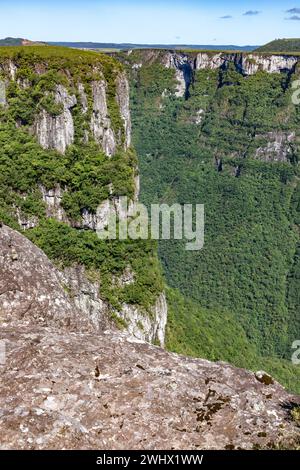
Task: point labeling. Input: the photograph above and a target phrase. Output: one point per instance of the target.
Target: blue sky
(165, 21)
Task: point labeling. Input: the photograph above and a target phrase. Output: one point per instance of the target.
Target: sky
(153, 22)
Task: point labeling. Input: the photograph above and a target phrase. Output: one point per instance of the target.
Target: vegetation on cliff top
(84, 173)
(281, 45)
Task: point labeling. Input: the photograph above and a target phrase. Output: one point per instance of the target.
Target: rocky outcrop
(208, 61)
(2, 93)
(83, 98)
(62, 390)
(100, 122)
(57, 132)
(248, 64)
(278, 147)
(100, 219)
(25, 221)
(149, 326)
(30, 285)
(95, 221)
(122, 97)
(12, 68)
(62, 361)
(85, 295)
(184, 66)
(30, 289)
(53, 199)
(252, 63)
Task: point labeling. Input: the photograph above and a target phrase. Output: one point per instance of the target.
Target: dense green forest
(238, 298)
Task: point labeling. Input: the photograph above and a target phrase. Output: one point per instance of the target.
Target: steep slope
(221, 129)
(64, 383)
(65, 162)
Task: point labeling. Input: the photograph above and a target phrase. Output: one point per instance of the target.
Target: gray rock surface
(100, 122)
(31, 287)
(122, 97)
(248, 64)
(57, 132)
(147, 326)
(62, 390)
(65, 384)
(278, 147)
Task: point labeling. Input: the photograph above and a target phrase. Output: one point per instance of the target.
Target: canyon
(93, 330)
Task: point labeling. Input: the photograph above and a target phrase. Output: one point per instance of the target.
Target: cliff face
(247, 64)
(100, 123)
(272, 146)
(66, 383)
(33, 289)
(57, 132)
(222, 129)
(56, 129)
(76, 107)
(187, 63)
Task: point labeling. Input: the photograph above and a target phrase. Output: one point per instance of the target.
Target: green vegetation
(84, 170)
(281, 45)
(217, 335)
(84, 173)
(296, 414)
(45, 67)
(206, 150)
(105, 260)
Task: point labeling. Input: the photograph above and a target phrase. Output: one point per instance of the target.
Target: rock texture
(147, 326)
(278, 147)
(65, 384)
(122, 98)
(53, 199)
(94, 221)
(252, 63)
(85, 296)
(2, 93)
(100, 122)
(57, 132)
(62, 390)
(248, 64)
(32, 287)
(186, 63)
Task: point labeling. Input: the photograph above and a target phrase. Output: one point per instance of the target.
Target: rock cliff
(32, 288)
(186, 63)
(75, 105)
(56, 129)
(57, 132)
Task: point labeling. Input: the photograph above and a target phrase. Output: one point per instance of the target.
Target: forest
(238, 298)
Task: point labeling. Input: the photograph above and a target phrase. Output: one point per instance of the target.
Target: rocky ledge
(72, 390)
(69, 380)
